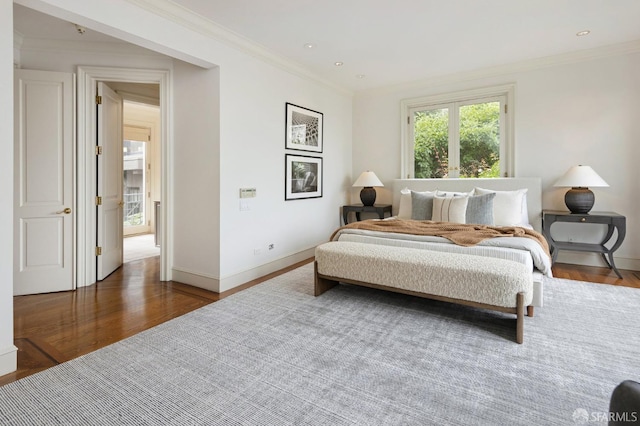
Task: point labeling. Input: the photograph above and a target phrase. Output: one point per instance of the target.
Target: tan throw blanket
(459, 233)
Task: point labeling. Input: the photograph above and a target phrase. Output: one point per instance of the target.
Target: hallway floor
(138, 247)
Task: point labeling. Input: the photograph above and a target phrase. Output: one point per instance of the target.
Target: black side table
(614, 221)
(380, 209)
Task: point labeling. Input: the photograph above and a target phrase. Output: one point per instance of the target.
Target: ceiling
(393, 42)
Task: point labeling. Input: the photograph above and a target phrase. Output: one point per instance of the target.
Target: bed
(527, 214)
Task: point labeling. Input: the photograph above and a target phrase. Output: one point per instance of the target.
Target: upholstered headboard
(533, 186)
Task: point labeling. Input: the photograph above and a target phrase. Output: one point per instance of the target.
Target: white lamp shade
(581, 177)
(367, 179)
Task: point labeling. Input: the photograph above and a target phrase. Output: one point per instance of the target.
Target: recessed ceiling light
(360, 76)
(309, 45)
(583, 33)
(338, 63)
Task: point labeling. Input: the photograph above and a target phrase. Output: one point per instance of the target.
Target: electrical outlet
(272, 246)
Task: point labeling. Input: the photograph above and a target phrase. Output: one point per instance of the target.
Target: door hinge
(98, 99)
(98, 201)
(98, 150)
(148, 223)
(98, 251)
(148, 194)
(408, 120)
(505, 108)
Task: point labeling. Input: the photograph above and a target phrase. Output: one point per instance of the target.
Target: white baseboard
(8, 360)
(232, 281)
(594, 259)
(195, 279)
(218, 285)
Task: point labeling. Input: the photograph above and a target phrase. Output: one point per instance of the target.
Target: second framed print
(303, 129)
(303, 177)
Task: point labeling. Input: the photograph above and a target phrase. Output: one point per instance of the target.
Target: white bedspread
(540, 260)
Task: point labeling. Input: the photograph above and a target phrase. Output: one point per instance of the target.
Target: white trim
(220, 285)
(506, 90)
(86, 191)
(235, 280)
(196, 279)
(8, 360)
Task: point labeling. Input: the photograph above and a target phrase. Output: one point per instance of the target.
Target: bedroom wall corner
(8, 352)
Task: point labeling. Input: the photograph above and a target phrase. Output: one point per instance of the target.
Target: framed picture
(303, 177)
(303, 129)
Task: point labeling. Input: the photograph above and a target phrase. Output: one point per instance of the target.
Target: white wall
(197, 161)
(578, 113)
(8, 354)
(253, 97)
(215, 242)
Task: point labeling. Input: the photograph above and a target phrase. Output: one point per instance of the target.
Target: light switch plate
(248, 192)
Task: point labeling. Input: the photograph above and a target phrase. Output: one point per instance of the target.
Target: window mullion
(454, 140)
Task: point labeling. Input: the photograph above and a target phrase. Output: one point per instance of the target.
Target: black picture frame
(303, 177)
(303, 128)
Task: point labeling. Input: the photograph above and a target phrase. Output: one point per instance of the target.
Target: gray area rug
(276, 355)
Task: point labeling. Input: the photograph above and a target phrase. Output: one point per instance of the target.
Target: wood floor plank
(56, 327)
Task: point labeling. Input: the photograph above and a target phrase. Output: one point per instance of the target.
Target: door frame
(86, 165)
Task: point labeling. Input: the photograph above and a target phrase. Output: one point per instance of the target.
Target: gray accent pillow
(421, 205)
(480, 209)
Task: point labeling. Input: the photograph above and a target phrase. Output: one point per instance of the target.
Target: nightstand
(614, 221)
(380, 209)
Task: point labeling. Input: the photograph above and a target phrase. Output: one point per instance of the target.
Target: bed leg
(530, 311)
(321, 284)
(520, 318)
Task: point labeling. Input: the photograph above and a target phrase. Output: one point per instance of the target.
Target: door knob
(65, 211)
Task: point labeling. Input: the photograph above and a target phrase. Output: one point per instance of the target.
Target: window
(466, 135)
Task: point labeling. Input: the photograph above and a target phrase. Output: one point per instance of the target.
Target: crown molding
(187, 18)
(506, 69)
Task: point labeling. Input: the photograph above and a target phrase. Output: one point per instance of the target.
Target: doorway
(141, 180)
(88, 78)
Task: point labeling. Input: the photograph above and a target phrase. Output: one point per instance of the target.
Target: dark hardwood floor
(56, 327)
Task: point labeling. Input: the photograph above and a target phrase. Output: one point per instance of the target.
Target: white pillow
(404, 210)
(509, 207)
(450, 209)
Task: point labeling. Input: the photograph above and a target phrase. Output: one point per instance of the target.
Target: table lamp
(580, 199)
(368, 180)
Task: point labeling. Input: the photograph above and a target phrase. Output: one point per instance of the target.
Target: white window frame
(503, 93)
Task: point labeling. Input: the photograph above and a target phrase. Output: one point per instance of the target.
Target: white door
(43, 182)
(109, 202)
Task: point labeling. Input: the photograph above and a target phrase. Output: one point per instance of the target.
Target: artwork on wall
(303, 177)
(303, 129)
